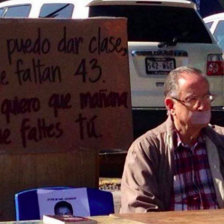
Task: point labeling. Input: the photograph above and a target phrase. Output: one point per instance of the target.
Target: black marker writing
(38, 73)
(59, 101)
(103, 99)
(3, 80)
(5, 136)
(39, 45)
(17, 106)
(91, 70)
(99, 44)
(69, 45)
(87, 127)
(41, 130)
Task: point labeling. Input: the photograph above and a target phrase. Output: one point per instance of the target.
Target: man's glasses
(193, 101)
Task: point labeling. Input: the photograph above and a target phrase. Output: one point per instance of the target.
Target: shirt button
(195, 198)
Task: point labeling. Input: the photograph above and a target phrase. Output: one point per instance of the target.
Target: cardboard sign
(64, 85)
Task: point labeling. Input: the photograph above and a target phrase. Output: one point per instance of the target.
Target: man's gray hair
(171, 86)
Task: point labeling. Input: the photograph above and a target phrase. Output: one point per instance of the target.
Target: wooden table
(100, 220)
(188, 217)
(182, 217)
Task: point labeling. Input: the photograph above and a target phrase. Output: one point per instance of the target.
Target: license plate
(159, 65)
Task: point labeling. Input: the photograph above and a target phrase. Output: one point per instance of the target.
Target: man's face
(192, 97)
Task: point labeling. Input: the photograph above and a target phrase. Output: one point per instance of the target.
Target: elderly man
(179, 165)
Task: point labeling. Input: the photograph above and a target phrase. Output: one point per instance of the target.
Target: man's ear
(169, 103)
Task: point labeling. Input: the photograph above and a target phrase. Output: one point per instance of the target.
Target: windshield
(56, 10)
(19, 11)
(157, 23)
(219, 34)
(209, 24)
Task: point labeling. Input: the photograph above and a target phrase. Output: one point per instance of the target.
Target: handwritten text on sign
(64, 85)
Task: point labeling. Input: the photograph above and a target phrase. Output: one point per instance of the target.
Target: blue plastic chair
(27, 206)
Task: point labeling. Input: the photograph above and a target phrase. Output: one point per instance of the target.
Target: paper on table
(78, 198)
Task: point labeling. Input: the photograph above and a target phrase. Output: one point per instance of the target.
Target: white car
(162, 35)
(216, 25)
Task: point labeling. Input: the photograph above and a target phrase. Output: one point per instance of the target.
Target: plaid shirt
(193, 185)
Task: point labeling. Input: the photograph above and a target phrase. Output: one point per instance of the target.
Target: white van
(162, 35)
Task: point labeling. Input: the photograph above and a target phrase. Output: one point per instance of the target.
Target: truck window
(152, 23)
(56, 10)
(218, 33)
(209, 24)
(1, 11)
(18, 11)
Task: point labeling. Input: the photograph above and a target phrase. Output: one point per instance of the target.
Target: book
(67, 219)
